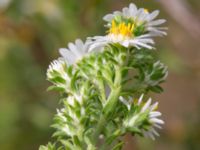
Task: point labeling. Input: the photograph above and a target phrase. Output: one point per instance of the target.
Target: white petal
(157, 126)
(156, 31)
(153, 15)
(139, 12)
(117, 13)
(139, 43)
(125, 43)
(147, 104)
(74, 50)
(145, 40)
(155, 120)
(108, 17)
(154, 106)
(155, 132)
(126, 12)
(79, 45)
(150, 134)
(140, 99)
(155, 114)
(97, 46)
(142, 16)
(132, 9)
(68, 55)
(157, 22)
(144, 36)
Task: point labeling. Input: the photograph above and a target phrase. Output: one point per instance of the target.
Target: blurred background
(31, 31)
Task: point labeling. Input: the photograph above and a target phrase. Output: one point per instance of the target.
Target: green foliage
(88, 106)
(31, 33)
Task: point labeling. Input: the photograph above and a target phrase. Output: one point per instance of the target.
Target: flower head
(130, 27)
(57, 67)
(74, 52)
(141, 19)
(144, 117)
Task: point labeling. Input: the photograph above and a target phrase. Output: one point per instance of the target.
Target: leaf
(70, 71)
(76, 141)
(118, 146)
(58, 79)
(67, 144)
(43, 148)
(56, 88)
(157, 75)
(156, 89)
(134, 130)
(113, 136)
(48, 147)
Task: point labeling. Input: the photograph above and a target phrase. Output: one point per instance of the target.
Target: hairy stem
(109, 106)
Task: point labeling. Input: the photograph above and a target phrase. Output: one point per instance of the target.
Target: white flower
(74, 52)
(153, 119)
(58, 66)
(130, 27)
(58, 75)
(148, 130)
(138, 17)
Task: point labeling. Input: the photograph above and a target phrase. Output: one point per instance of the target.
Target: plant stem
(98, 130)
(115, 93)
(109, 106)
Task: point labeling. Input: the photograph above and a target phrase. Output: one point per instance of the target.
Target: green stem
(102, 90)
(109, 106)
(115, 93)
(111, 102)
(104, 147)
(98, 130)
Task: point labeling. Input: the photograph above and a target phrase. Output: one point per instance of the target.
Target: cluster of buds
(104, 84)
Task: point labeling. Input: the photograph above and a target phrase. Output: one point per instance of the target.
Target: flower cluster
(101, 81)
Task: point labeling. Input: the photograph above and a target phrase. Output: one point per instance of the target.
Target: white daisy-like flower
(152, 118)
(57, 74)
(58, 66)
(131, 27)
(74, 52)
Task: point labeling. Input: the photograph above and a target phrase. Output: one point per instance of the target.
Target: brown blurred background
(31, 31)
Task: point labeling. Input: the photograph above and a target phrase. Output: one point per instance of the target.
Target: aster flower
(59, 75)
(145, 117)
(74, 52)
(131, 27)
(57, 67)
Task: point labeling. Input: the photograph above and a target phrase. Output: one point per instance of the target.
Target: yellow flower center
(126, 30)
(146, 11)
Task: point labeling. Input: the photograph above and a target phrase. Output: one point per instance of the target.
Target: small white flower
(152, 117)
(131, 27)
(60, 113)
(57, 74)
(74, 52)
(58, 66)
(139, 17)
